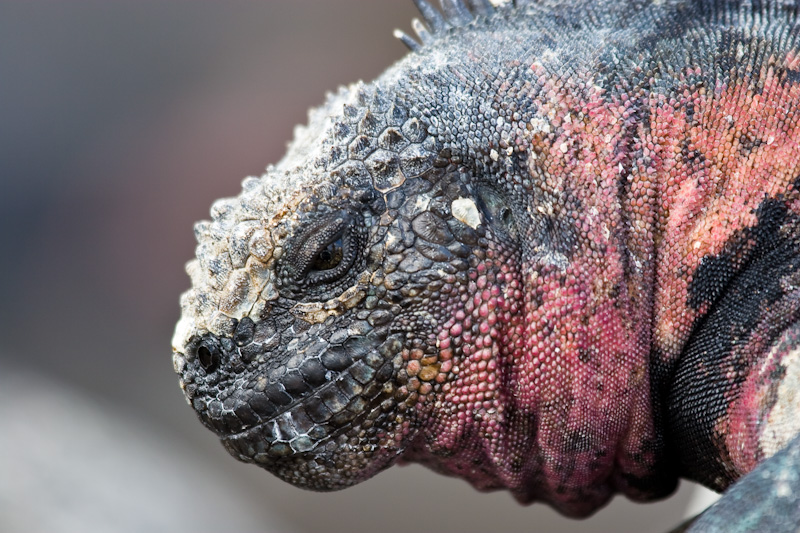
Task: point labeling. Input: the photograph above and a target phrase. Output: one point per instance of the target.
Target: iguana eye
(334, 257)
(322, 251)
(507, 217)
(329, 257)
(327, 251)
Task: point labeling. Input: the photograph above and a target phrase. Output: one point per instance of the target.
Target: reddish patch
(744, 146)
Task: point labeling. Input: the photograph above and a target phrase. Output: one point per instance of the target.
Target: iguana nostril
(209, 354)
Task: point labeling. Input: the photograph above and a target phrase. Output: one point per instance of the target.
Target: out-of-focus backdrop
(120, 122)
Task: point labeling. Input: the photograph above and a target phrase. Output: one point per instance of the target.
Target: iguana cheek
(479, 333)
(473, 337)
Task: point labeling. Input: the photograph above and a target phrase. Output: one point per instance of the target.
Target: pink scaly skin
(572, 343)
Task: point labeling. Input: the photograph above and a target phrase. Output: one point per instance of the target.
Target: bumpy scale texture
(553, 250)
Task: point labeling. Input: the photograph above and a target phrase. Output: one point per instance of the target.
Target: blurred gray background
(120, 122)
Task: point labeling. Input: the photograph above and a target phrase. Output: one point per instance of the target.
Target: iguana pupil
(329, 257)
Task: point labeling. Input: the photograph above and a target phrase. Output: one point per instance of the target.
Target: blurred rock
(71, 463)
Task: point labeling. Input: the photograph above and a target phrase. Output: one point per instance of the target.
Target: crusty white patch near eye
(465, 210)
(783, 422)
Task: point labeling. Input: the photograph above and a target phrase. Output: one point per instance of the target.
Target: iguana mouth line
(319, 411)
(271, 419)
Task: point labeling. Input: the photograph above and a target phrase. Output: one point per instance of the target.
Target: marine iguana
(554, 250)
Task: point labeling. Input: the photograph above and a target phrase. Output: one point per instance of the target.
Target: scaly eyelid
(349, 254)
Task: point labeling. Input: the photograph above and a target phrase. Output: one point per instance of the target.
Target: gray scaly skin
(554, 250)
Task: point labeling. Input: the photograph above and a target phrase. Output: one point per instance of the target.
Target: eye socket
(322, 253)
(333, 259)
(329, 257)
